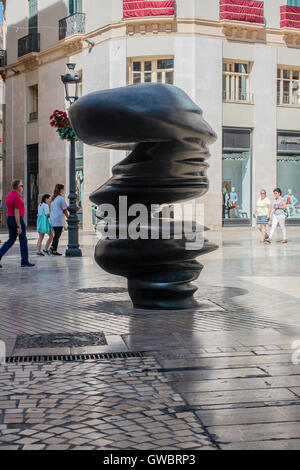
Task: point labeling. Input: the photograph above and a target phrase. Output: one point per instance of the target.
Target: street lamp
(72, 81)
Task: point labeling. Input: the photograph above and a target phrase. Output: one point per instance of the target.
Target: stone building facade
(238, 59)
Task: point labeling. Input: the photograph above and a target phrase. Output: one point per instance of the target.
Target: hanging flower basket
(60, 120)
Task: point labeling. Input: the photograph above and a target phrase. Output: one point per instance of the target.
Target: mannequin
(291, 202)
(226, 206)
(233, 201)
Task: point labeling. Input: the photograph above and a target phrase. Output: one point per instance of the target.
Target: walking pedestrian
(43, 225)
(263, 213)
(279, 216)
(15, 221)
(58, 211)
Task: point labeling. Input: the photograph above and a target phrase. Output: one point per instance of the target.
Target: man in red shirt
(15, 221)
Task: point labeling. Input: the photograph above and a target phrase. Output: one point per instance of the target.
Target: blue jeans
(13, 235)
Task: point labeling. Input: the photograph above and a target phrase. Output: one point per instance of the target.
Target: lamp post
(72, 80)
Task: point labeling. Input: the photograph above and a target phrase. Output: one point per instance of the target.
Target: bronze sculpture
(168, 139)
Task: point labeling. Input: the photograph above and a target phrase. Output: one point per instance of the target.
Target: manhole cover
(54, 340)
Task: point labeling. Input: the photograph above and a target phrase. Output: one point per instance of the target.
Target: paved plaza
(221, 376)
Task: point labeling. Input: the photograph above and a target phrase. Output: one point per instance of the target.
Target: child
(43, 225)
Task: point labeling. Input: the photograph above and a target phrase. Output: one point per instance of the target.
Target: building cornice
(232, 30)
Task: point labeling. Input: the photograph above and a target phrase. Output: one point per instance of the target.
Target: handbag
(43, 224)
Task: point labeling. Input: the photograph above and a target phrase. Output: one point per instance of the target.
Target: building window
(288, 86)
(75, 6)
(33, 16)
(288, 171)
(151, 70)
(236, 82)
(33, 102)
(236, 176)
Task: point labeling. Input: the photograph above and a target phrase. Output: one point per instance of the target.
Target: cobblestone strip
(94, 405)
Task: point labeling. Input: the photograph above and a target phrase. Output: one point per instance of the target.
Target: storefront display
(236, 176)
(288, 172)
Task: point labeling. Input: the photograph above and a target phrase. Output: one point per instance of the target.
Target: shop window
(288, 86)
(236, 171)
(159, 70)
(288, 172)
(236, 82)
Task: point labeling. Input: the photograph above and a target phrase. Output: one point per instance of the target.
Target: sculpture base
(164, 291)
(159, 272)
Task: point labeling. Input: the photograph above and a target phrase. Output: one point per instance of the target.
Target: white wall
(104, 67)
(102, 13)
(265, 136)
(272, 12)
(201, 78)
(209, 98)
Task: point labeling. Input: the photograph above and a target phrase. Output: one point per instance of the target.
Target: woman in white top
(44, 226)
(279, 215)
(263, 213)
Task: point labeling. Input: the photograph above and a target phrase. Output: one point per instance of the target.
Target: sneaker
(27, 265)
(284, 241)
(47, 252)
(40, 254)
(55, 253)
(268, 240)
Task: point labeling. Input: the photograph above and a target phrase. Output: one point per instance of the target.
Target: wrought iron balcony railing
(3, 58)
(73, 24)
(29, 43)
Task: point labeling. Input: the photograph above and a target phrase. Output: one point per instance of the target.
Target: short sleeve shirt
(278, 203)
(58, 206)
(43, 209)
(263, 206)
(14, 201)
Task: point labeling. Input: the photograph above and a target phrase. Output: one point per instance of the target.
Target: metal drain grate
(72, 358)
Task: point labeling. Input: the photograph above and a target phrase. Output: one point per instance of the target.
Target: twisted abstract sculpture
(168, 138)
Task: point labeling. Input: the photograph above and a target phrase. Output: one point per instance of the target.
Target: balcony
(238, 97)
(3, 58)
(290, 24)
(29, 43)
(289, 16)
(287, 99)
(242, 10)
(73, 24)
(133, 9)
